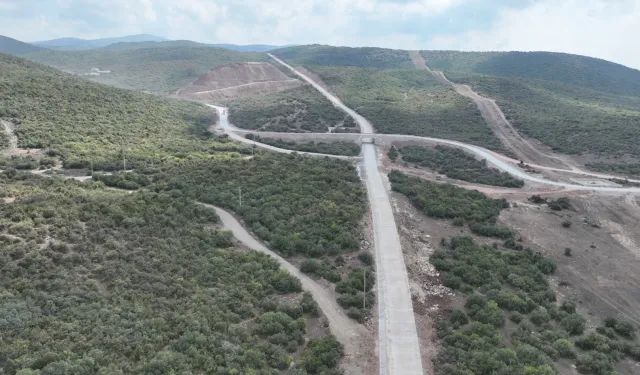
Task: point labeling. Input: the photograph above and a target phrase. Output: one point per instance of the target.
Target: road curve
(398, 344)
(503, 165)
(341, 326)
(223, 116)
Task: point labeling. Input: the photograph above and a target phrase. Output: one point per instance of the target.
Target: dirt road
(496, 119)
(13, 140)
(349, 333)
(243, 85)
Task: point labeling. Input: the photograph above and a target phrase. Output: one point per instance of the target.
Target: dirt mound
(238, 79)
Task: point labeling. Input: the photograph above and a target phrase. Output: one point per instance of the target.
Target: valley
(404, 216)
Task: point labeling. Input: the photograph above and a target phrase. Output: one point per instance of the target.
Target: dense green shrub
(447, 201)
(90, 123)
(332, 148)
(352, 293)
(366, 258)
(98, 281)
(459, 165)
(299, 205)
(322, 356)
(302, 109)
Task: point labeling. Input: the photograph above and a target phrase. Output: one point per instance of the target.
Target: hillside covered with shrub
(364, 57)
(162, 69)
(582, 71)
(85, 122)
(95, 281)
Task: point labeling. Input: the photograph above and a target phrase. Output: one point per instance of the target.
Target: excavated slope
(239, 79)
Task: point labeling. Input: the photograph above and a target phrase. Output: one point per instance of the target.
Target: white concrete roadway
(398, 344)
(365, 125)
(399, 350)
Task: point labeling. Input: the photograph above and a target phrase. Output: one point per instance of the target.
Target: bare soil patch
(238, 80)
(603, 271)
(314, 77)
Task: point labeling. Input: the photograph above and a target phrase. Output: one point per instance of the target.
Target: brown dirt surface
(238, 80)
(527, 150)
(603, 270)
(314, 77)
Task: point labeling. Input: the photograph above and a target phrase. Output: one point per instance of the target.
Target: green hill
(153, 44)
(16, 47)
(409, 101)
(76, 44)
(570, 119)
(369, 57)
(82, 120)
(153, 69)
(582, 71)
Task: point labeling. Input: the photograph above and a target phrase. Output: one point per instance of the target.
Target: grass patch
(459, 165)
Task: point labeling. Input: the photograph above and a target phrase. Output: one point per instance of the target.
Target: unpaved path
(496, 119)
(13, 140)
(243, 85)
(351, 334)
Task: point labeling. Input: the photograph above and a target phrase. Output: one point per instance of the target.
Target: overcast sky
(607, 29)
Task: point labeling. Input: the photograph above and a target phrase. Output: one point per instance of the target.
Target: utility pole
(240, 195)
(91, 161)
(364, 296)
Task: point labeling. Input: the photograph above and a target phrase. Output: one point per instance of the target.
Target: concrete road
(499, 161)
(398, 344)
(399, 347)
(365, 125)
(238, 135)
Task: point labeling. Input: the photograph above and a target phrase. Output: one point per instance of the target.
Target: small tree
(567, 252)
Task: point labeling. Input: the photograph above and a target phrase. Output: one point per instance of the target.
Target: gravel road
(346, 330)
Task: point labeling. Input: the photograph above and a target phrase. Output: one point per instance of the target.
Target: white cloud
(598, 28)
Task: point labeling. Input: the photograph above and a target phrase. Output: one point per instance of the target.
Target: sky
(597, 28)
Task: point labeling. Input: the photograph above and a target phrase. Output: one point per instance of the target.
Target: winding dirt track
(349, 333)
(13, 140)
(496, 119)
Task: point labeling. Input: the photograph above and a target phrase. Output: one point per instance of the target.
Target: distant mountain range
(189, 43)
(139, 41)
(75, 44)
(16, 47)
